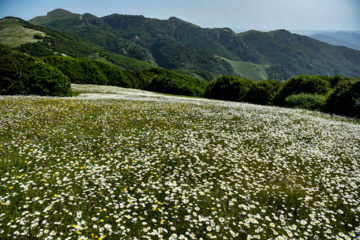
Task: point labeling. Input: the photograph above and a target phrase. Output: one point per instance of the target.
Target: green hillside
(302, 55)
(21, 74)
(249, 70)
(40, 41)
(148, 40)
(82, 62)
(176, 44)
(13, 33)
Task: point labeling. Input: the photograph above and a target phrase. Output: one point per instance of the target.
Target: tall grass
(133, 165)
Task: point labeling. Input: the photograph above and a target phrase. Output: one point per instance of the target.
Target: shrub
(174, 82)
(78, 70)
(305, 101)
(115, 76)
(302, 84)
(171, 86)
(24, 75)
(263, 92)
(228, 88)
(345, 98)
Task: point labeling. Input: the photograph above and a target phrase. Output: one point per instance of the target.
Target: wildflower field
(128, 164)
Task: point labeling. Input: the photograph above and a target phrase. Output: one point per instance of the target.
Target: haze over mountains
(350, 39)
(347, 39)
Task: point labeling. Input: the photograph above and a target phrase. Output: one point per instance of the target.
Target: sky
(237, 14)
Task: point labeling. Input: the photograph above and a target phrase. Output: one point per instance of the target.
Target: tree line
(21, 74)
(331, 94)
(53, 75)
(24, 74)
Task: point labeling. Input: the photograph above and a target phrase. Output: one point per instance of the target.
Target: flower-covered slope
(128, 164)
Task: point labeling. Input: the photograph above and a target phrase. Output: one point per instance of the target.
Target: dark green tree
(263, 92)
(228, 88)
(345, 98)
(302, 84)
(305, 101)
(172, 86)
(178, 81)
(78, 70)
(115, 76)
(25, 75)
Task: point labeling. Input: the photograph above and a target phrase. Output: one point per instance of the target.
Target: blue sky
(236, 14)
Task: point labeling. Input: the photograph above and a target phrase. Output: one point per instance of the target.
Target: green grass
(134, 164)
(249, 70)
(76, 93)
(13, 34)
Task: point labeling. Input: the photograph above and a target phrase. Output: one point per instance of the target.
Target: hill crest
(55, 14)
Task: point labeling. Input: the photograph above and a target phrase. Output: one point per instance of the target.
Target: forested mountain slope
(177, 44)
(40, 41)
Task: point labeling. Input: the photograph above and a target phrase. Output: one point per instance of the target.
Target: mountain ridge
(177, 44)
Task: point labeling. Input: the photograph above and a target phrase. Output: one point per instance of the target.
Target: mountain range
(137, 43)
(347, 39)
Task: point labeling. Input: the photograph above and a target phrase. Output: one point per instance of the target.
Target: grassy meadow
(117, 163)
(252, 71)
(14, 34)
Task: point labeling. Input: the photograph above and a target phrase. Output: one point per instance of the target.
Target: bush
(25, 75)
(305, 101)
(38, 36)
(302, 84)
(115, 76)
(78, 70)
(345, 98)
(228, 88)
(263, 92)
(174, 82)
(86, 71)
(171, 86)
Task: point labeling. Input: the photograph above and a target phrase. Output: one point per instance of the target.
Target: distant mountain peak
(55, 14)
(59, 11)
